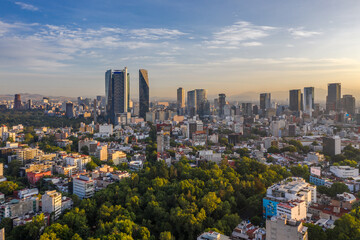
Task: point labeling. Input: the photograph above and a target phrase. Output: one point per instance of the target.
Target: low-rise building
(295, 209)
(212, 236)
(283, 229)
(344, 171)
(292, 188)
(34, 177)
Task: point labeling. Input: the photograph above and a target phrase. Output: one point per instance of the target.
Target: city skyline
(242, 43)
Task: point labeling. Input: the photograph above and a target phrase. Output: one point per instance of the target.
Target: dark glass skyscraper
(69, 110)
(191, 102)
(348, 104)
(265, 101)
(295, 100)
(17, 102)
(144, 100)
(333, 99)
(117, 86)
(222, 103)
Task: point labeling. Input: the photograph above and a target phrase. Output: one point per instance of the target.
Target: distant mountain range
(251, 96)
(35, 97)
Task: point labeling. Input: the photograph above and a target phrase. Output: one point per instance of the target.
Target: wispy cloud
(41, 46)
(301, 33)
(252, 44)
(27, 6)
(239, 34)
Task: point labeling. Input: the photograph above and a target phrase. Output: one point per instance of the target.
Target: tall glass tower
(309, 96)
(144, 100)
(117, 91)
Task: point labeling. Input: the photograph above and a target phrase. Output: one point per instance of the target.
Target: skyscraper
(191, 102)
(144, 100)
(201, 100)
(309, 96)
(295, 100)
(180, 100)
(265, 101)
(333, 99)
(17, 102)
(69, 110)
(222, 103)
(348, 104)
(117, 86)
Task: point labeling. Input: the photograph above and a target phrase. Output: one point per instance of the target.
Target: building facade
(51, 203)
(117, 91)
(295, 100)
(144, 98)
(334, 97)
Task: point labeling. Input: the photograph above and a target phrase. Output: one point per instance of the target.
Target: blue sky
(63, 47)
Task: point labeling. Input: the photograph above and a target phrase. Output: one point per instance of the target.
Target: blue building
(318, 181)
(269, 208)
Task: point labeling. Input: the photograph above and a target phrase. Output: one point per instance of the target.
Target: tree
(14, 168)
(315, 232)
(90, 166)
(273, 149)
(346, 227)
(76, 220)
(7, 224)
(29, 138)
(210, 202)
(224, 141)
(85, 150)
(336, 188)
(59, 230)
(166, 236)
(8, 187)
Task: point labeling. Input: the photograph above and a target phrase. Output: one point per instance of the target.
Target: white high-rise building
(308, 100)
(51, 202)
(83, 186)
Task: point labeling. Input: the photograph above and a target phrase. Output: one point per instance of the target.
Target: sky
(64, 47)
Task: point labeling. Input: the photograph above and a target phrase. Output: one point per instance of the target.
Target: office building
(17, 102)
(295, 100)
(25, 154)
(348, 104)
(163, 141)
(201, 100)
(117, 91)
(69, 110)
(83, 186)
(332, 145)
(345, 171)
(29, 104)
(144, 99)
(51, 203)
(309, 96)
(281, 228)
(265, 101)
(222, 103)
(333, 99)
(180, 101)
(191, 103)
(247, 109)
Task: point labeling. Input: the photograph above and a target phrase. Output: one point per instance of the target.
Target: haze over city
(64, 48)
